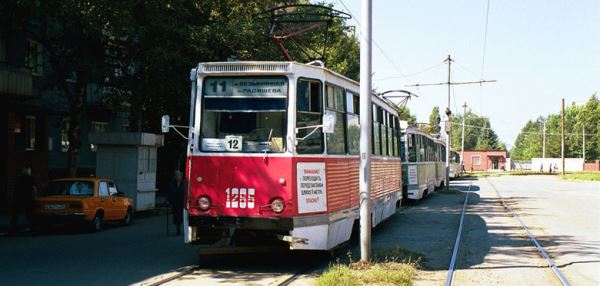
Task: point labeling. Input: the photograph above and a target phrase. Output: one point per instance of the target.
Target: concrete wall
(571, 164)
(129, 159)
(592, 166)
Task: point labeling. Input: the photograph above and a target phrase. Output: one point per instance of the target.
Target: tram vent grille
(246, 67)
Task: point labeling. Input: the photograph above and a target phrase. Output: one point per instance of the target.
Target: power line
(411, 74)
(487, 16)
(523, 132)
(376, 44)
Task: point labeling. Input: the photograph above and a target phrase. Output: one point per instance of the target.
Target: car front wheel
(128, 217)
(97, 222)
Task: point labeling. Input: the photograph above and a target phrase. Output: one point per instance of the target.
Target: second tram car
(455, 167)
(261, 170)
(423, 163)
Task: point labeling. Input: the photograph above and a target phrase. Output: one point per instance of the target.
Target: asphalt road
(116, 256)
(563, 215)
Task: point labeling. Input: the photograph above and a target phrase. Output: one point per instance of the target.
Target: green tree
(479, 134)
(434, 120)
(404, 114)
(529, 142)
(75, 37)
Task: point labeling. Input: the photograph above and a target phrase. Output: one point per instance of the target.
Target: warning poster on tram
(312, 195)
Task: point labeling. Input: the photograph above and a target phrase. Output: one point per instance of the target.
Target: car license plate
(55, 207)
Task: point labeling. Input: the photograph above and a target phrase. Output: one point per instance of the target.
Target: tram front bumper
(253, 223)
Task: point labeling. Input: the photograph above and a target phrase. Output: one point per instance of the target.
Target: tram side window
(392, 144)
(376, 130)
(402, 146)
(384, 136)
(336, 142)
(353, 124)
(429, 149)
(443, 153)
(309, 113)
(421, 148)
(396, 135)
(412, 147)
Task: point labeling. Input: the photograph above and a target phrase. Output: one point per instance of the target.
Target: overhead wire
(411, 74)
(377, 45)
(487, 17)
(523, 132)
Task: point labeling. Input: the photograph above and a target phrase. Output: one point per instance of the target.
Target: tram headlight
(277, 205)
(204, 203)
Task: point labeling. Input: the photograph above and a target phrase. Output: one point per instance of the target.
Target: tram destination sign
(243, 87)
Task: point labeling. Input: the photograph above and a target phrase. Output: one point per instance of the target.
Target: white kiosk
(130, 160)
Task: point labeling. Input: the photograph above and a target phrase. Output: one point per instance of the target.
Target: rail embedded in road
(537, 245)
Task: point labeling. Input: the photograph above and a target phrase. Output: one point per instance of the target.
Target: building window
(33, 57)
(29, 132)
(64, 135)
(476, 160)
(97, 127)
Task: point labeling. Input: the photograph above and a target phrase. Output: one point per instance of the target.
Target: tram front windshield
(244, 114)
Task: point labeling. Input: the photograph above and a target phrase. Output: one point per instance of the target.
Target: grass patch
(471, 175)
(582, 176)
(390, 266)
(476, 174)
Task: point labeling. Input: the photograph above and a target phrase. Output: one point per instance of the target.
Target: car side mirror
(165, 122)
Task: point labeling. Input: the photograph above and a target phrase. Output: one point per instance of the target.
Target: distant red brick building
(483, 160)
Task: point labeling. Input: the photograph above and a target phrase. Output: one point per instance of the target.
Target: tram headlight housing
(204, 203)
(277, 205)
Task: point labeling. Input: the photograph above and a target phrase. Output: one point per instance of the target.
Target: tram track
(217, 276)
(540, 250)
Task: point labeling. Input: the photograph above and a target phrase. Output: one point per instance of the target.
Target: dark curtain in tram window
(237, 122)
(302, 94)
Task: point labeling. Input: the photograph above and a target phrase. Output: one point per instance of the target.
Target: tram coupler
(291, 239)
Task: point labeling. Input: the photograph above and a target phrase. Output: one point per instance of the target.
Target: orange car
(88, 200)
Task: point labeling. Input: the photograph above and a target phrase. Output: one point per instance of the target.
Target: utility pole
(583, 145)
(462, 148)
(544, 139)
(447, 130)
(562, 134)
(365, 129)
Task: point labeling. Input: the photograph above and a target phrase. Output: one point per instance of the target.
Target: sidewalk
(159, 209)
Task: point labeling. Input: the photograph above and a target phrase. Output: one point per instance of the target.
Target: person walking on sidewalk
(176, 189)
(23, 200)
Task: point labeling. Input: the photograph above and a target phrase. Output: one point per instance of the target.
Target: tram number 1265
(242, 198)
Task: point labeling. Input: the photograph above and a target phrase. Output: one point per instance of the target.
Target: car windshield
(70, 188)
(244, 114)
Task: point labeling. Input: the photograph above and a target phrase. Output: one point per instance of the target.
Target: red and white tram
(262, 172)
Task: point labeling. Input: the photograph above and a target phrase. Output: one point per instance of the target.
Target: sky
(538, 51)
